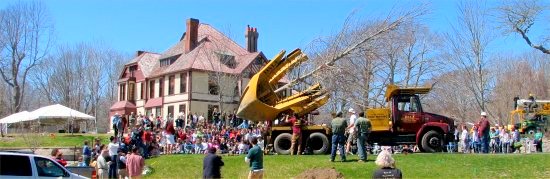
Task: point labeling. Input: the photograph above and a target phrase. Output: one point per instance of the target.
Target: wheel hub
(435, 142)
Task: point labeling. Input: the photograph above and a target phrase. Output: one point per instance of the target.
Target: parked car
(27, 165)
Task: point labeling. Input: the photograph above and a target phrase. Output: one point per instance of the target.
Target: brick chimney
(251, 36)
(139, 52)
(191, 34)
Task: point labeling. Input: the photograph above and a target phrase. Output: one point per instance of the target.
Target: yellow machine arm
(260, 102)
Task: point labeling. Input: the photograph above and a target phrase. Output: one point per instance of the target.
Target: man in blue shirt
(86, 153)
(255, 158)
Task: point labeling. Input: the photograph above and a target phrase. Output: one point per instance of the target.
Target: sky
(154, 26)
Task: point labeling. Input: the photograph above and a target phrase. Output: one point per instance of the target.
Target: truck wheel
(282, 143)
(432, 141)
(319, 143)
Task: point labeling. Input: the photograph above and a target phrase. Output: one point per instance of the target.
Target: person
(57, 155)
(116, 121)
(387, 168)
(363, 127)
(212, 164)
(121, 163)
(169, 134)
(97, 148)
(296, 133)
(215, 116)
(475, 142)
(484, 127)
(493, 144)
(533, 103)
(179, 120)
(255, 158)
(515, 140)
(134, 164)
(464, 139)
(505, 140)
(81, 162)
(538, 140)
(103, 164)
(113, 153)
(132, 120)
(351, 128)
(86, 153)
(338, 125)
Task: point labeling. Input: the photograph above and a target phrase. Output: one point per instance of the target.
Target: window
(161, 87)
(158, 111)
(152, 89)
(143, 90)
(171, 84)
(122, 95)
(49, 168)
(213, 88)
(148, 112)
(14, 165)
(168, 61)
(131, 91)
(408, 104)
(183, 83)
(182, 108)
(170, 111)
(132, 69)
(228, 60)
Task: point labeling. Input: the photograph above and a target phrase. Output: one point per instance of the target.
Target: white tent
(57, 113)
(17, 117)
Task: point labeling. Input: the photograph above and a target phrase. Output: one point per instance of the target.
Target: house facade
(204, 70)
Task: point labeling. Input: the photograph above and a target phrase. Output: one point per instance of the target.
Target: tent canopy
(57, 113)
(17, 117)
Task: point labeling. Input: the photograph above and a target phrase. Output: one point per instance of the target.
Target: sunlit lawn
(413, 166)
(60, 140)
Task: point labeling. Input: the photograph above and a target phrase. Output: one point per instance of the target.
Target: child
(81, 163)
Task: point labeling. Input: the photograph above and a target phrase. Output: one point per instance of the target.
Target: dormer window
(168, 61)
(132, 69)
(227, 60)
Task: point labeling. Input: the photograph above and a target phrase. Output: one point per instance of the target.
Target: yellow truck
(529, 115)
(402, 122)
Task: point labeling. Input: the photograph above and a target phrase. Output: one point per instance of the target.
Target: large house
(203, 70)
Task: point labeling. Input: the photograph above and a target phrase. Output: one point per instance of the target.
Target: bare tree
(519, 16)
(26, 34)
(343, 45)
(467, 49)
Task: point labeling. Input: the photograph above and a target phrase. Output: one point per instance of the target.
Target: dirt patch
(320, 173)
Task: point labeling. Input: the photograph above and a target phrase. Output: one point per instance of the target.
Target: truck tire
(432, 141)
(319, 143)
(282, 143)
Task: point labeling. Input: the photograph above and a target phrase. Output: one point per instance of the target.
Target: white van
(22, 165)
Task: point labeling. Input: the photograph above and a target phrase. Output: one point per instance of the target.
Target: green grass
(60, 140)
(412, 166)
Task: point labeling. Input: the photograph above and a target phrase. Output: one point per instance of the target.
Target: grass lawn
(412, 166)
(60, 140)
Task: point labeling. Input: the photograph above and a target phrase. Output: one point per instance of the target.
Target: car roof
(19, 153)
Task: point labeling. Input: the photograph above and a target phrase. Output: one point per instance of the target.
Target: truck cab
(403, 121)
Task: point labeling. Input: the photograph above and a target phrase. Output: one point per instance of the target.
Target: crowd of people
(149, 136)
(482, 138)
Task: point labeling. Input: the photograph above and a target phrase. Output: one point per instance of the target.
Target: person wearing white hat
(483, 132)
(351, 128)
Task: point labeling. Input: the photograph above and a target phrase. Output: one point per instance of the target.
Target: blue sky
(156, 25)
